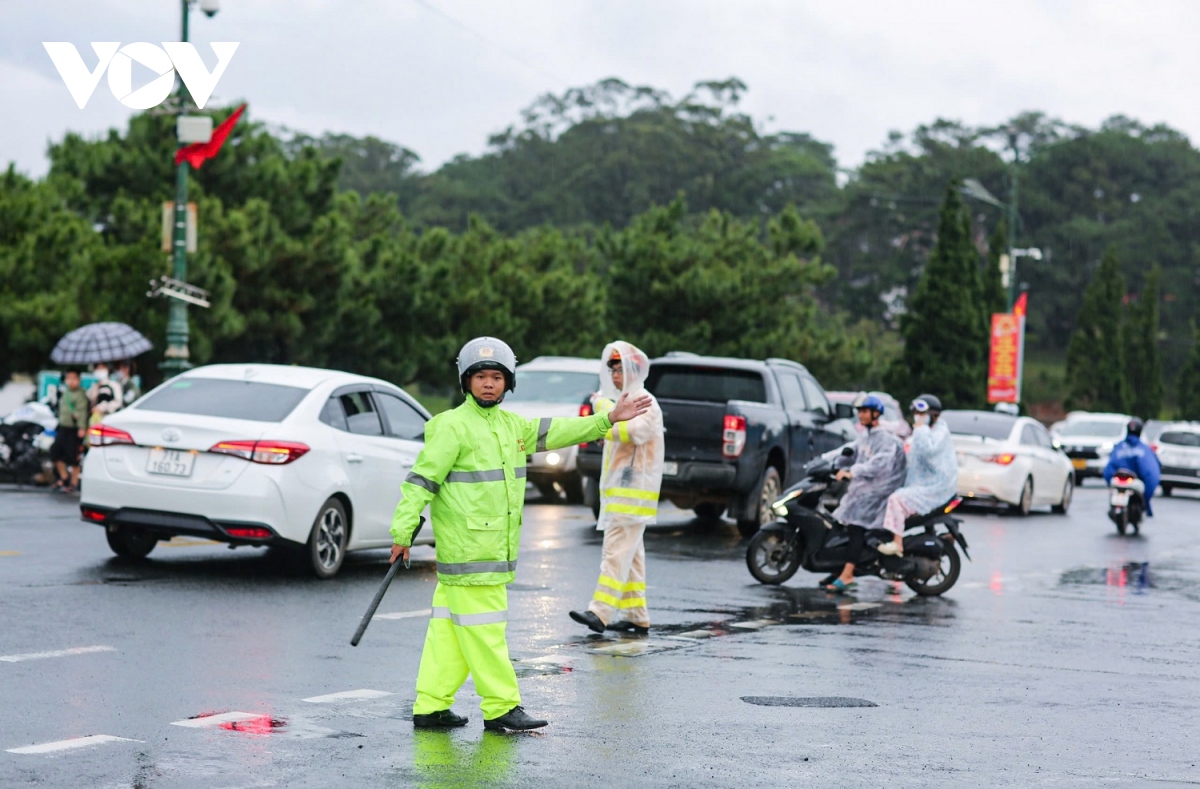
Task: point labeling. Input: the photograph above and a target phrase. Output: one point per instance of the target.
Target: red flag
(197, 152)
(1019, 306)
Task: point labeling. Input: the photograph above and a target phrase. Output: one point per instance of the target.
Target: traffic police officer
(471, 473)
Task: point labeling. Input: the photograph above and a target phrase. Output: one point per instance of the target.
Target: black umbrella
(99, 342)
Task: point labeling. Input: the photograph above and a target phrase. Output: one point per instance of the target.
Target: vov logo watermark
(118, 60)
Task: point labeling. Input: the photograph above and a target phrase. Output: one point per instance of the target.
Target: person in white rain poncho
(932, 471)
(877, 471)
(629, 484)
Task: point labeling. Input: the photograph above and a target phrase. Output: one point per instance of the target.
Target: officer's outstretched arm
(425, 479)
(558, 432)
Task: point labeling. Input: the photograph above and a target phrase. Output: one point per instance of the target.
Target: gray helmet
(927, 402)
(487, 353)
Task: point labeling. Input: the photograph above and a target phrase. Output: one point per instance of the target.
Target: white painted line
(545, 660)
(66, 745)
(55, 653)
(697, 634)
(217, 720)
(349, 695)
(858, 606)
(755, 624)
(405, 614)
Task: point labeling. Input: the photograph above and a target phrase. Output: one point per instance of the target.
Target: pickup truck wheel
(769, 488)
(709, 512)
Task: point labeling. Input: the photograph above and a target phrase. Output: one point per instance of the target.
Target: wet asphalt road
(1055, 661)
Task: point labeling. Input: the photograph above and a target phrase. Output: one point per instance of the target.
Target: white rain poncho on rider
(879, 467)
(932, 469)
(633, 451)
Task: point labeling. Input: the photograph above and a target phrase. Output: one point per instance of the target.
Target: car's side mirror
(843, 411)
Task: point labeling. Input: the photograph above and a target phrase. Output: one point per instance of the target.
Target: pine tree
(1189, 381)
(1143, 361)
(1096, 353)
(945, 335)
(995, 299)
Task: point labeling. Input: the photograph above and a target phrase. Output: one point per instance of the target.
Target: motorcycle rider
(878, 470)
(471, 473)
(1136, 456)
(629, 484)
(932, 471)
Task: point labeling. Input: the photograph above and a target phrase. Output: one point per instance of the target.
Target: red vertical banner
(1004, 361)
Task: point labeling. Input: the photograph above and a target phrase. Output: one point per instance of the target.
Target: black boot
(515, 719)
(628, 627)
(442, 719)
(589, 619)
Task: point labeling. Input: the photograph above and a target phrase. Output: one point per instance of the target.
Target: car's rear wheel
(1065, 504)
(128, 542)
(328, 539)
(769, 488)
(1025, 503)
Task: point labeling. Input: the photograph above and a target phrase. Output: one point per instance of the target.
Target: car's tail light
(1004, 458)
(733, 437)
(585, 410)
(274, 453)
(95, 516)
(1154, 448)
(102, 435)
(249, 532)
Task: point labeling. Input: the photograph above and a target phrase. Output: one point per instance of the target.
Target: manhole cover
(807, 701)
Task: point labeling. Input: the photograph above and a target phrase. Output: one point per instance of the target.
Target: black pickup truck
(738, 432)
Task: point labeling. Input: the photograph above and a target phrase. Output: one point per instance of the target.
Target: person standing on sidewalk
(471, 473)
(73, 409)
(630, 479)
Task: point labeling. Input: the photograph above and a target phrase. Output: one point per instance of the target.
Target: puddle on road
(807, 701)
(263, 725)
(1134, 576)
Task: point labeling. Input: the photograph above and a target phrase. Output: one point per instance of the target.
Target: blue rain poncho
(932, 469)
(878, 471)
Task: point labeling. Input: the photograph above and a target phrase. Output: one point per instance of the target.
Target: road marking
(216, 720)
(405, 614)
(858, 606)
(697, 634)
(756, 624)
(55, 653)
(10, 553)
(66, 745)
(349, 695)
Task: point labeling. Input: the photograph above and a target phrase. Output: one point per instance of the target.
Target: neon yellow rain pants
(466, 635)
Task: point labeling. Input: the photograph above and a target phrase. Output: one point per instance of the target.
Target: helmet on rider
(487, 353)
(926, 402)
(1134, 427)
(872, 402)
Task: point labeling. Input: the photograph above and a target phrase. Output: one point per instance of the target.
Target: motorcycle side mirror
(843, 411)
(847, 452)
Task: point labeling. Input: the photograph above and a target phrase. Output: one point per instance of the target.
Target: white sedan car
(1010, 460)
(257, 454)
(1178, 448)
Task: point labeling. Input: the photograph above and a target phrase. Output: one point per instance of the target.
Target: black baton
(387, 581)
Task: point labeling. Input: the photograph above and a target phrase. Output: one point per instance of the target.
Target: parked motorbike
(20, 456)
(807, 535)
(1126, 501)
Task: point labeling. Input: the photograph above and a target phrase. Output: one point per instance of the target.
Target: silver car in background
(1178, 449)
(555, 386)
(1088, 440)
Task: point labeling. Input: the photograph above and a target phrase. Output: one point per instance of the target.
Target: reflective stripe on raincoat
(879, 467)
(631, 475)
(932, 469)
(471, 473)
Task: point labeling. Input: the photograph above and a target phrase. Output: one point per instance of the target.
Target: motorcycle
(20, 455)
(807, 535)
(1126, 501)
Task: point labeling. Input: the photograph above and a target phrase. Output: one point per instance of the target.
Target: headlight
(1106, 447)
(780, 506)
(553, 459)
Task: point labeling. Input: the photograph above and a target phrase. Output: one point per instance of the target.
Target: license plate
(1120, 498)
(1079, 463)
(670, 469)
(172, 462)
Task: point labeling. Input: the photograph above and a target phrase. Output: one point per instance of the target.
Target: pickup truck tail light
(733, 437)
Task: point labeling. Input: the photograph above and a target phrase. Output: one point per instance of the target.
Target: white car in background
(555, 386)
(1004, 459)
(1178, 449)
(1088, 440)
(255, 454)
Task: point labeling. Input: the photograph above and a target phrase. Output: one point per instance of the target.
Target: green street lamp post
(176, 355)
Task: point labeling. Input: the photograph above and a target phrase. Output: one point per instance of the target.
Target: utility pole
(1013, 179)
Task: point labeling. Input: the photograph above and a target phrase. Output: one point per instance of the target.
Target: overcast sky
(439, 76)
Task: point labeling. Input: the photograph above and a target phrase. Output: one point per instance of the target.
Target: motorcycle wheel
(1121, 521)
(941, 581)
(772, 558)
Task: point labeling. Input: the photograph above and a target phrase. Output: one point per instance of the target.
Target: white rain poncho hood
(633, 451)
(932, 469)
(878, 470)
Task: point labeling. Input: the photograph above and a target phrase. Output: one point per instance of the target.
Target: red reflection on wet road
(263, 724)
